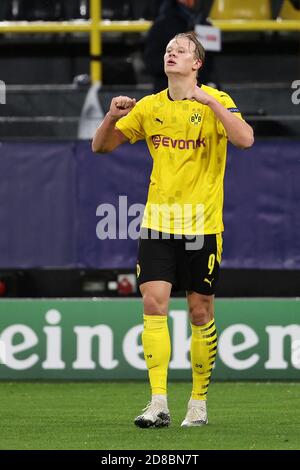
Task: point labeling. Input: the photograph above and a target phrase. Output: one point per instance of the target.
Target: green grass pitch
(100, 415)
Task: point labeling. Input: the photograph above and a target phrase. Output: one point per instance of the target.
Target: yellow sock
(203, 353)
(157, 351)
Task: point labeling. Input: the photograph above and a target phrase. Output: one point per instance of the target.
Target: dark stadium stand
(32, 10)
(53, 112)
(72, 283)
(55, 10)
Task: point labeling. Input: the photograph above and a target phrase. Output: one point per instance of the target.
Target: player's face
(180, 57)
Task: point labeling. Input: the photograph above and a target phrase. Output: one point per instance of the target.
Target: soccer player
(186, 127)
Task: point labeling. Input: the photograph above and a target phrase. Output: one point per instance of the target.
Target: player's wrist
(211, 102)
(112, 117)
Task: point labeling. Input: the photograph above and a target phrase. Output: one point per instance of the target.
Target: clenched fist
(120, 106)
(195, 93)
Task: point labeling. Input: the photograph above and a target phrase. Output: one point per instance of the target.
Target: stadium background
(69, 307)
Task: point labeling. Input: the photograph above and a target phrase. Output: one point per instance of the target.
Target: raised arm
(107, 137)
(238, 131)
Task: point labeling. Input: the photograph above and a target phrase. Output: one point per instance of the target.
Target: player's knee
(200, 314)
(153, 305)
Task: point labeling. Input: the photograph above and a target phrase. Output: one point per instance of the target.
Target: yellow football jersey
(188, 145)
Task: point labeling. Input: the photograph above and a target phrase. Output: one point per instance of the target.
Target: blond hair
(192, 37)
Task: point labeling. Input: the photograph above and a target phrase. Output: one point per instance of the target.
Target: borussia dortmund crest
(195, 119)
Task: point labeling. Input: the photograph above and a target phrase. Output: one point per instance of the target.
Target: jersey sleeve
(230, 105)
(132, 124)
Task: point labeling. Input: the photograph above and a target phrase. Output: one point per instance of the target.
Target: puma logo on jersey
(159, 120)
(208, 281)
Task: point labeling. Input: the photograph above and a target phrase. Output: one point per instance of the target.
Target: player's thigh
(203, 266)
(156, 260)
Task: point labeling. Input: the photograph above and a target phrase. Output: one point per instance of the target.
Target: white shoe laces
(147, 406)
(154, 408)
(196, 413)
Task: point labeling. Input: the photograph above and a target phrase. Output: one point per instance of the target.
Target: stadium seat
(76, 9)
(111, 9)
(237, 10)
(117, 10)
(6, 10)
(145, 9)
(33, 10)
(289, 10)
(56, 10)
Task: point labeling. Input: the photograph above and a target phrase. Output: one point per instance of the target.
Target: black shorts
(188, 264)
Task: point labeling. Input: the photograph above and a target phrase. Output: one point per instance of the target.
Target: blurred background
(61, 62)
